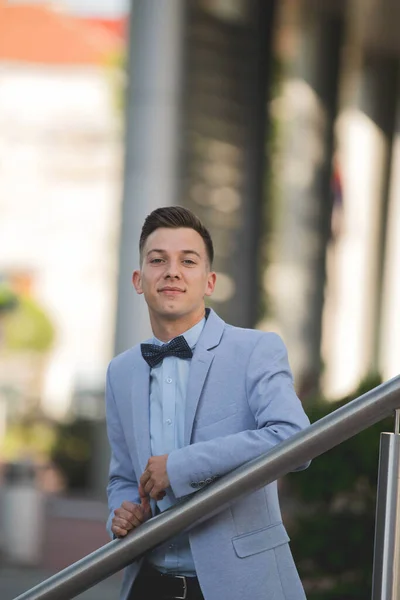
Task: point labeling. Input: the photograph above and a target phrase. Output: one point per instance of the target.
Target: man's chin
(173, 311)
(167, 310)
(172, 314)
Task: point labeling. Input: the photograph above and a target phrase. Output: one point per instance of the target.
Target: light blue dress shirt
(168, 384)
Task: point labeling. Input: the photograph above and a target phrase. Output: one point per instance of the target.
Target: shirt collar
(191, 335)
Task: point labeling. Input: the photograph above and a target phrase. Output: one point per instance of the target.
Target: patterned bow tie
(154, 354)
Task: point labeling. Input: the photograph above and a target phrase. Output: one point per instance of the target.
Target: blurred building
(361, 318)
(300, 193)
(60, 173)
(277, 123)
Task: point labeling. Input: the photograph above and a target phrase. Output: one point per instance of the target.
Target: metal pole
(321, 436)
(385, 578)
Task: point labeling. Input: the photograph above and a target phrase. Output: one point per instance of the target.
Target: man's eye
(188, 261)
(156, 260)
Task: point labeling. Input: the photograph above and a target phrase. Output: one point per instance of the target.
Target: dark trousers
(150, 584)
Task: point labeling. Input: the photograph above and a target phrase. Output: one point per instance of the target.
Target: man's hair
(174, 217)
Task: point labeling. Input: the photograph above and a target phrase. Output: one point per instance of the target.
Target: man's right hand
(129, 516)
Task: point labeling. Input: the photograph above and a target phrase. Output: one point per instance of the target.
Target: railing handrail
(318, 438)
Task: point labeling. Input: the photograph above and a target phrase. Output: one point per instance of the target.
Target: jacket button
(201, 483)
(194, 484)
(209, 480)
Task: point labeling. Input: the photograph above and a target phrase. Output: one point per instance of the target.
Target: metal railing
(385, 584)
(320, 437)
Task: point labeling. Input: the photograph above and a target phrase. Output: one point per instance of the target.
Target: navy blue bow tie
(154, 354)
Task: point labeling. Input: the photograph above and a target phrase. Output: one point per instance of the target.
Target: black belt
(152, 584)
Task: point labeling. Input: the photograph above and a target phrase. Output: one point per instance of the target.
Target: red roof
(41, 34)
(117, 27)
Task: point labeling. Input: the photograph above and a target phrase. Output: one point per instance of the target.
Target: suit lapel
(140, 393)
(200, 365)
(140, 402)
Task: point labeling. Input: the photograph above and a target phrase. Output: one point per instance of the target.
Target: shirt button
(170, 546)
(168, 380)
(168, 421)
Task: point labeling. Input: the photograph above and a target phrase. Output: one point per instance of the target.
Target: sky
(95, 8)
(103, 8)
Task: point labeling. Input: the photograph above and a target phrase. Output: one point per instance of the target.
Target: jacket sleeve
(122, 484)
(278, 415)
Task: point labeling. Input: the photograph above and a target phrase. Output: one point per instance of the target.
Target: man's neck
(166, 330)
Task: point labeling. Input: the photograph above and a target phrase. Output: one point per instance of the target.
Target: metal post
(387, 532)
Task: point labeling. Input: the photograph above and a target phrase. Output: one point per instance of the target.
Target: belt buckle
(184, 587)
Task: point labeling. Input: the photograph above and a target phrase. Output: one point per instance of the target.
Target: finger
(144, 498)
(120, 513)
(118, 531)
(133, 517)
(141, 491)
(136, 519)
(129, 506)
(160, 495)
(146, 508)
(148, 487)
(127, 509)
(122, 523)
(144, 501)
(155, 492)
(144, 478)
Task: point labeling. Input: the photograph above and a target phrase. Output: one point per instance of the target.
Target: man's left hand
(154, 480)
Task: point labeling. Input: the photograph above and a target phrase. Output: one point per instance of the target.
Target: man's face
(175, 274)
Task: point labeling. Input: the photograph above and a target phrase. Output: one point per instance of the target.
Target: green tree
(72, 452)
(8, 300)
(27, 327)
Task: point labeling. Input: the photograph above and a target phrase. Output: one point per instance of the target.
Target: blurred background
(278, 123)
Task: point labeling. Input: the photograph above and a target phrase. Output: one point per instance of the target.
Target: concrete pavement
(16, 580)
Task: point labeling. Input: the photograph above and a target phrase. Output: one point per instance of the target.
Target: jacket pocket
(214, 414)
(260, 540)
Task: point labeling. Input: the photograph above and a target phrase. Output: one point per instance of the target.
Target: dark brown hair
(174, 217)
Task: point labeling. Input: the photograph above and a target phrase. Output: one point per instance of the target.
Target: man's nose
(173, 271)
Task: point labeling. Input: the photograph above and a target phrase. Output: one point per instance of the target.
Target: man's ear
(212, 278)
(137, 281)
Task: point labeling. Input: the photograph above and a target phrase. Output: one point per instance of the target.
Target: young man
(188, 406)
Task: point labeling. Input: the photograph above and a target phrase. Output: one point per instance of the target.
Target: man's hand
(154, 480)
(130, 515)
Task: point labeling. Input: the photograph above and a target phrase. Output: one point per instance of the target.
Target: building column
(366, 131)
(228, 74)
(389, 338)
(296, 279)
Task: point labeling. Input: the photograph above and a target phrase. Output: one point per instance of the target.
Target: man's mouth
(171, 290)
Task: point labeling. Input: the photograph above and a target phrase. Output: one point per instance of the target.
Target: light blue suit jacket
(240, 403)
